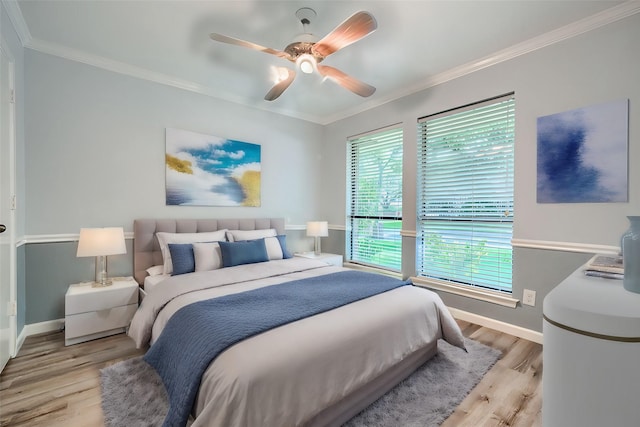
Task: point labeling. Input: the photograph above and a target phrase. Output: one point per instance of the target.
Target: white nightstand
(332, 259)
(92, 313)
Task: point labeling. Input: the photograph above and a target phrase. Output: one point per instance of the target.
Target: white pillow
(238, 235)
(165, 238)
(208, 256)
(156, 270)
(274, 250)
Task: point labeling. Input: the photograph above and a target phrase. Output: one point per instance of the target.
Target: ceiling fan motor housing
(302, 45)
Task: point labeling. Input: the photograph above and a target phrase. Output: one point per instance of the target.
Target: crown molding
(558, 35)
(117, 66)
(16, 18)
(126, 69)
(605, 17)
(584, 25)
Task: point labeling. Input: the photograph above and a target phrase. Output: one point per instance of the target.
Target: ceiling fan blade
(280, 87)
(353, 29)
(346, 81)
(231, 40)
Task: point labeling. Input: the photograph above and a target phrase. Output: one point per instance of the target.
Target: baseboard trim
(42, 327)
(20, 341)
(517, 331)
(38, 328)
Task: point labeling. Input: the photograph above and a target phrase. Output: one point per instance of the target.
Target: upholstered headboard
(146, 249)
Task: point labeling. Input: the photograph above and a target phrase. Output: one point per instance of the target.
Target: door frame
(11, 221)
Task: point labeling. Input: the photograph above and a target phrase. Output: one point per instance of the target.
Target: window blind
(465, 194)
(374, 198)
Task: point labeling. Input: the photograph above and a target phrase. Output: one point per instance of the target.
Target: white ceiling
(417, 43)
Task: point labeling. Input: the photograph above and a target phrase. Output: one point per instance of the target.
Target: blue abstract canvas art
(205, 170)
(582, 155)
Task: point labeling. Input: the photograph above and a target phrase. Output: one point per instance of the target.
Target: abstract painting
(205, 170)
(582, 155)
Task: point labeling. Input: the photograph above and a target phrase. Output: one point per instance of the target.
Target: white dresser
(591, 354)
(92, 313)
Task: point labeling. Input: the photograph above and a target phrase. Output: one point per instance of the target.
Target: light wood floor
(51, 385)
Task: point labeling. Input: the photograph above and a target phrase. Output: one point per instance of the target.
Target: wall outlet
(529, 297)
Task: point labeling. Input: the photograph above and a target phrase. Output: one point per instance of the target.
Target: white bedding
(285, 376)
(150, 282)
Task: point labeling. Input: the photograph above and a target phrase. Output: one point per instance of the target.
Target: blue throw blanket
(199, 332)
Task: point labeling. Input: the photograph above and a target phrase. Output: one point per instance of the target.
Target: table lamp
(101, 242)
(317, 229)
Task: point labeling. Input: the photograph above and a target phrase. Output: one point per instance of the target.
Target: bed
(319, 370)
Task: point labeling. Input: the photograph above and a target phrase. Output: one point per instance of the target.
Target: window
(374, 199)
(465, 195)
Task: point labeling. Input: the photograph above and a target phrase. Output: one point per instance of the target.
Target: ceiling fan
(307, 51)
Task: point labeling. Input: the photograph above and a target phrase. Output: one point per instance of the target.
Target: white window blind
(465, 194)
(374, 199)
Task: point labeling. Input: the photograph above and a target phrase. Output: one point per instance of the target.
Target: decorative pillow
(208, 256)
(182, 258)
(283, 245)
(156, 270)
(165, 238)
(246, 252)
(239, 235)
(277, 247)
(274, 250)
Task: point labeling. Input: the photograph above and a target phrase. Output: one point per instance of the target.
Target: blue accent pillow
(244, 252)
(182, 258)
(283, 244)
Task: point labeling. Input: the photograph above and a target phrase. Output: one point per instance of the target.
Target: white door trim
(11, 223)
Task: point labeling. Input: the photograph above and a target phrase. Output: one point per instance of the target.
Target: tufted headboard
(146, 249)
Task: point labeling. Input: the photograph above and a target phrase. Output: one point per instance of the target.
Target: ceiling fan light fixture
(307, 52)
(279, 74)
(307, 63)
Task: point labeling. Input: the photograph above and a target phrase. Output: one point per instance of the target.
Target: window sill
(466, 291)
(370, 269)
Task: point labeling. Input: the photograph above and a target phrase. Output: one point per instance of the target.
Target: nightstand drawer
(86, 299)
(82, 324)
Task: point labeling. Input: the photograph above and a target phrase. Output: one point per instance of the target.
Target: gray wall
(48, 284)
(599, 66)
(96, 146)
(95, 149)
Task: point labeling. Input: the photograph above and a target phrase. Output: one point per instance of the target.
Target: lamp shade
(317, 228)
(101, 242)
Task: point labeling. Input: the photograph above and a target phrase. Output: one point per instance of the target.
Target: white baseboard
(20, 341)
(517, 331)
(42, 327)
(38, 328)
